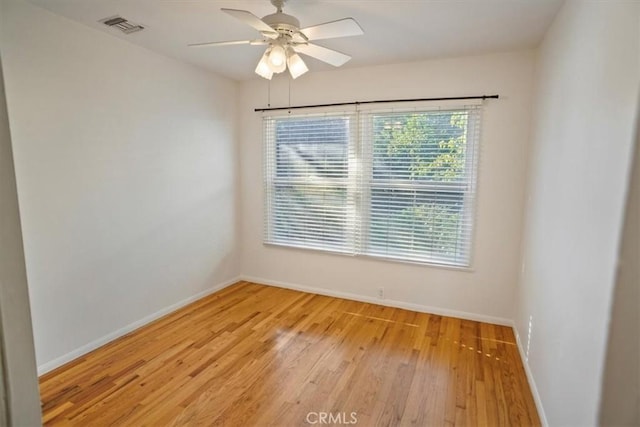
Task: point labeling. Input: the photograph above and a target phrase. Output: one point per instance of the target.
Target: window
(392, 184)
(308, 182)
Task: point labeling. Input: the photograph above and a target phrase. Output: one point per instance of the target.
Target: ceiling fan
(284, 38)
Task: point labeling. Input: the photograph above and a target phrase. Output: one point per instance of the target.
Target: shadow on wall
(19, 381)
(620, 395)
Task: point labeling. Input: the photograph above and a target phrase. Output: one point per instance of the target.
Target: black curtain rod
(384, 101)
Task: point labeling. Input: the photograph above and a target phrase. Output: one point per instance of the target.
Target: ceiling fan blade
(341, 28)
(329, 56)
(229, 43)
(252, 20)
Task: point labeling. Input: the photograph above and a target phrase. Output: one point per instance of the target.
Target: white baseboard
(59, 361)
(386, 302)
(532, 382)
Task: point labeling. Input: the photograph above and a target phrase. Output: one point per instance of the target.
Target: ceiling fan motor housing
(283, 24)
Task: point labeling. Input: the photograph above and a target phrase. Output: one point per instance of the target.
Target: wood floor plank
(254, 355)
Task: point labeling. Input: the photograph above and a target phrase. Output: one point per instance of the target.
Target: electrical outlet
(381, 293)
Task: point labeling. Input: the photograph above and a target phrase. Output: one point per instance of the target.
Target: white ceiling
(395, 30)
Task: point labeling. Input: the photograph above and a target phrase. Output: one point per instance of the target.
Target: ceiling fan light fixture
(263, 69)
(297, 67)
(278, 59)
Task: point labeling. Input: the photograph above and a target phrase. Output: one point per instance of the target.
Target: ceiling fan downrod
(278, 4)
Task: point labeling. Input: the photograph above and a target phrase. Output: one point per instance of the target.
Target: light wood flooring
(253, 355)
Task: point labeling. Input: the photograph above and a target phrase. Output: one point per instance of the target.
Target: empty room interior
(304, 212)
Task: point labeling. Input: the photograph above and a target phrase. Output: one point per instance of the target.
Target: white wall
(588, 80)
(125, 164)
(18, 380)
(487, 292)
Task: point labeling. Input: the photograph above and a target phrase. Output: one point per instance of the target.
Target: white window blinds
(308, 186)
(395, 184)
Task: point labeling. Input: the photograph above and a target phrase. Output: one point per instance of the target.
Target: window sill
(463, 269)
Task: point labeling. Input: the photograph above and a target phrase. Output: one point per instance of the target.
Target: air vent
(122, 24)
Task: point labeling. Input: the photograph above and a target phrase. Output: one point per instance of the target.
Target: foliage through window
(396, 185)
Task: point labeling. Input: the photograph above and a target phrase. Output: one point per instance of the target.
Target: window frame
(361, 181)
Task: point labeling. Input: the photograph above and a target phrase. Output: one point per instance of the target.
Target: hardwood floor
(253, 355)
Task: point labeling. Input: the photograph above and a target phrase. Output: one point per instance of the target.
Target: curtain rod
(384, 101)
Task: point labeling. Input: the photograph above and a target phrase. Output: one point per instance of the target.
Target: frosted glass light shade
(263, 69)
(297, 67)
(278, 59)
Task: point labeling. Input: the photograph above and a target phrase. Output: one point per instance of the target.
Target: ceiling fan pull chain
(289, 94)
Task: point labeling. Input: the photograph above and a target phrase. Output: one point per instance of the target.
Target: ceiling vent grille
(122, 24)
